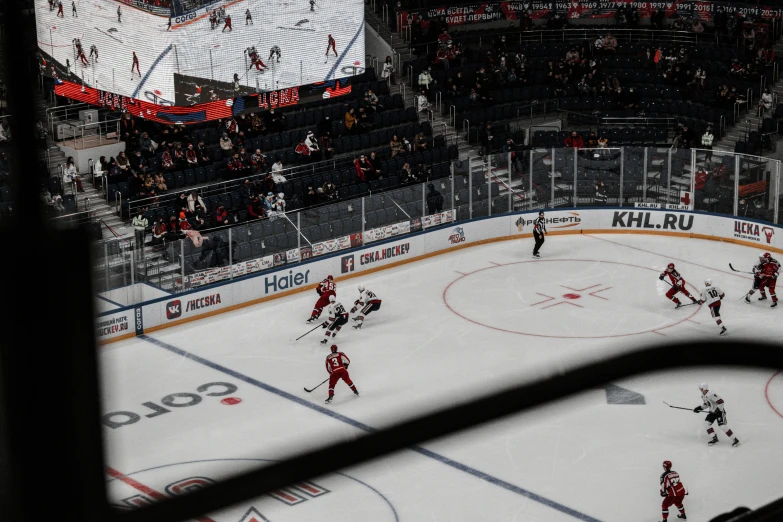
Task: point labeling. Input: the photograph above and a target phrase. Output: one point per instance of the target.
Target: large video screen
(194, 52)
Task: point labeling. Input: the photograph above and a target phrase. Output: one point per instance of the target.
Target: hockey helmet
(361, 288)
(329, 277)
(331, 299)
(670, 266)
(766, 255)
(334, 348)
(703, 387)
(667, 464)
(708, 282)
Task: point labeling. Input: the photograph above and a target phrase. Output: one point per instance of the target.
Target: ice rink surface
(196, 50)
(451, 328)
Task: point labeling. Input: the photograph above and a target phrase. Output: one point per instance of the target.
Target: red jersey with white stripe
(671, 485)
(770, 269)
(336, 361)
(327, 286)
(674, 277)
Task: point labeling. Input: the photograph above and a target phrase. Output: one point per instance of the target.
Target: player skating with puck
(331, 45)
(338, 318)
(712, 295)
(539, 231)
(367, 303)
(765, 275)
(326, 289)
(673, 491)
(135, 65)
(716, 411)
(337, 365)
(678, 285)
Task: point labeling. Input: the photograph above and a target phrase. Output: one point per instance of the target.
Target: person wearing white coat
(425, 79)
(388, 71)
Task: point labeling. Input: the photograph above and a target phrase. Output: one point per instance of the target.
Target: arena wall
(165, 312)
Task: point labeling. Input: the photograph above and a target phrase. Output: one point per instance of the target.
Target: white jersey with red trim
(336, 310)
(366, 297)
(712, 295)
(712, 402)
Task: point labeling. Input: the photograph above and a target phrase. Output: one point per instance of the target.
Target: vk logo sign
(173, 309)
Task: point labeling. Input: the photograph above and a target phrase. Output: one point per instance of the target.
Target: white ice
(195, 50)
(451, 328)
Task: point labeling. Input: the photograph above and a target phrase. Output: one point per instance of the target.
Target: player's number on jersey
(674, 481)
(713, 293)
(335, 362)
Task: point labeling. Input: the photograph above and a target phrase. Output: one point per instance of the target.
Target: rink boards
(156, 314)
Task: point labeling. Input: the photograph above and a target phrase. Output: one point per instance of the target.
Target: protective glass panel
(599, 171)
(714, 182)
(656, 186)
(541, 173)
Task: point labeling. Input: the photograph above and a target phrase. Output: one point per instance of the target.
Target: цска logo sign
(753, 231)
(347, 264)
(652, 220)
(173, 309)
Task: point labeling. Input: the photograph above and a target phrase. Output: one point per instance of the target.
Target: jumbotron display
(195, 52)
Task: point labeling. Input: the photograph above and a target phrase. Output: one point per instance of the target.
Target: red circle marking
(572, 296)
(766, 394)
(230, 401)
(446, 302)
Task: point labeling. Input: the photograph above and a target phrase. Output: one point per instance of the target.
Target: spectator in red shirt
(221, 216)
(184, 225)
(255, 209)
(575, 141)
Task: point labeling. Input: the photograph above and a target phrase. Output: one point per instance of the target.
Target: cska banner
(576, 9)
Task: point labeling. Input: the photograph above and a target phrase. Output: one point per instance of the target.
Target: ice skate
(356, 392)
(328, 400)
(323, 341)
(747, 299)
(679, 305)
(763, 298)
(537, 256)
(773, 305)
(357, 326)
(311, 320)
(713, 441)
(682, 517)
(735, 443)
(723, 330)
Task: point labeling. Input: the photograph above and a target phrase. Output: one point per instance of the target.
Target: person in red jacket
(672, 490)
(575, 141)
(255, 209)
(325, 289)
(337, 366)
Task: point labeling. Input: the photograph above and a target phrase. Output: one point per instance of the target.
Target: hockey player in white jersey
(368, 302)
(716, 411)
(712, 295)
(338, 317)
(274, 52)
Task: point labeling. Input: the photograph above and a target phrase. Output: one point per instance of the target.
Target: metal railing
(105, 131)
(63, 112)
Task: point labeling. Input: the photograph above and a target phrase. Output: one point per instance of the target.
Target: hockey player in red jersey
(672, 490)
(82, 57)
(227, 24)
(678, 285)
(135, 65)
(331, 45)
(337, 366)
(60, 10)
(368, 302)
(338, 318)
(255, 59)
(325, 289)
(765, 274)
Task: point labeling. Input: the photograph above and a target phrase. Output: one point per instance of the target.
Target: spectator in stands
(184, 226)
(280, 204)
(255, 210)
(706, 142)
(350, 120)
(140, 225)
(181, 203)
(696, 26)
(592, 140)
(277, 166)
(572, 56)
(765, 102)
(575, 141)
(375, 167)
(312, 144)
(146, 145)
(329, 191)
(406, 175)
(246, 192)
(269, 203)
(124, 163)
(138, 163)
(749, 37)
(310, 196)
(196, 205)
(236, 166)
(221, 216)
(166, 161)
(395, 145)
(226, 145)
(364, 121)
(327, 145)
(371, 101)
(159, 232)
(160, 183)
(425, 80)
(204, 157)
(434, 200)
(657, 19)
(302, 151)
(256, 125)
(421, 142)
(485, 138)
(71, 174)
(363, 167)
(603, 142)
(128, 131)
(388, 71)
(422, 103)
(191, 156)
(258, 162)
(687, 137)
(407, 146)
(600, 191)
(148, 185)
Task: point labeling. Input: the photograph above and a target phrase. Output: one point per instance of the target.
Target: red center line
(138, 486)
(667, 256)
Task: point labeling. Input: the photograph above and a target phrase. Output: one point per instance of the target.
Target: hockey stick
(309, 331)
(308, 391)
(667, 404)
(740, 271)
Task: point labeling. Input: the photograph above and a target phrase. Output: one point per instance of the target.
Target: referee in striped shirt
(539, 231)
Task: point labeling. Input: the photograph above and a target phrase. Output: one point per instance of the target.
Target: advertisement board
(146, 52)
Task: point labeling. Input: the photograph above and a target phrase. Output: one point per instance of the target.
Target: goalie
(368, 302)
